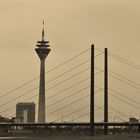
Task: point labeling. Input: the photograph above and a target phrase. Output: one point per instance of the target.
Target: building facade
(25, 112)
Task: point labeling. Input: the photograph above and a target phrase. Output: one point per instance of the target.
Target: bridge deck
(72, 124)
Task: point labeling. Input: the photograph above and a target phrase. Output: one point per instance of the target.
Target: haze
(71, 26)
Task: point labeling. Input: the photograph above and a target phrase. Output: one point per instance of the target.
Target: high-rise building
(42, 50)
(25, 112)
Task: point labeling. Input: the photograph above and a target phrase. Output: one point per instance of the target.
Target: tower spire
(43, 43)
(43, 33)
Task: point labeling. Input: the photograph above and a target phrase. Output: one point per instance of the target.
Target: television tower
(42, 50)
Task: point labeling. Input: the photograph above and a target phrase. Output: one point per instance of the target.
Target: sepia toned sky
(71, 26)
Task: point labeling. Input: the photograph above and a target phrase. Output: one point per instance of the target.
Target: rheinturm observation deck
(42, 50)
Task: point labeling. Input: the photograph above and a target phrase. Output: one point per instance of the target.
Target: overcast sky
(71, 26)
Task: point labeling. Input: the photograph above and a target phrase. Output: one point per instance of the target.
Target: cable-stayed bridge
(73, 86)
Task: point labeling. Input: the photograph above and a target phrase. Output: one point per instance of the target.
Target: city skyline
(71, 27)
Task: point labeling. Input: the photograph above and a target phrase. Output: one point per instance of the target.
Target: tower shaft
(41, 108)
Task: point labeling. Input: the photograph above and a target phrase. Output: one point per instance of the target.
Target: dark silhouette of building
(133, 120)
(4, 119)
(42, 50)
(25, 112)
